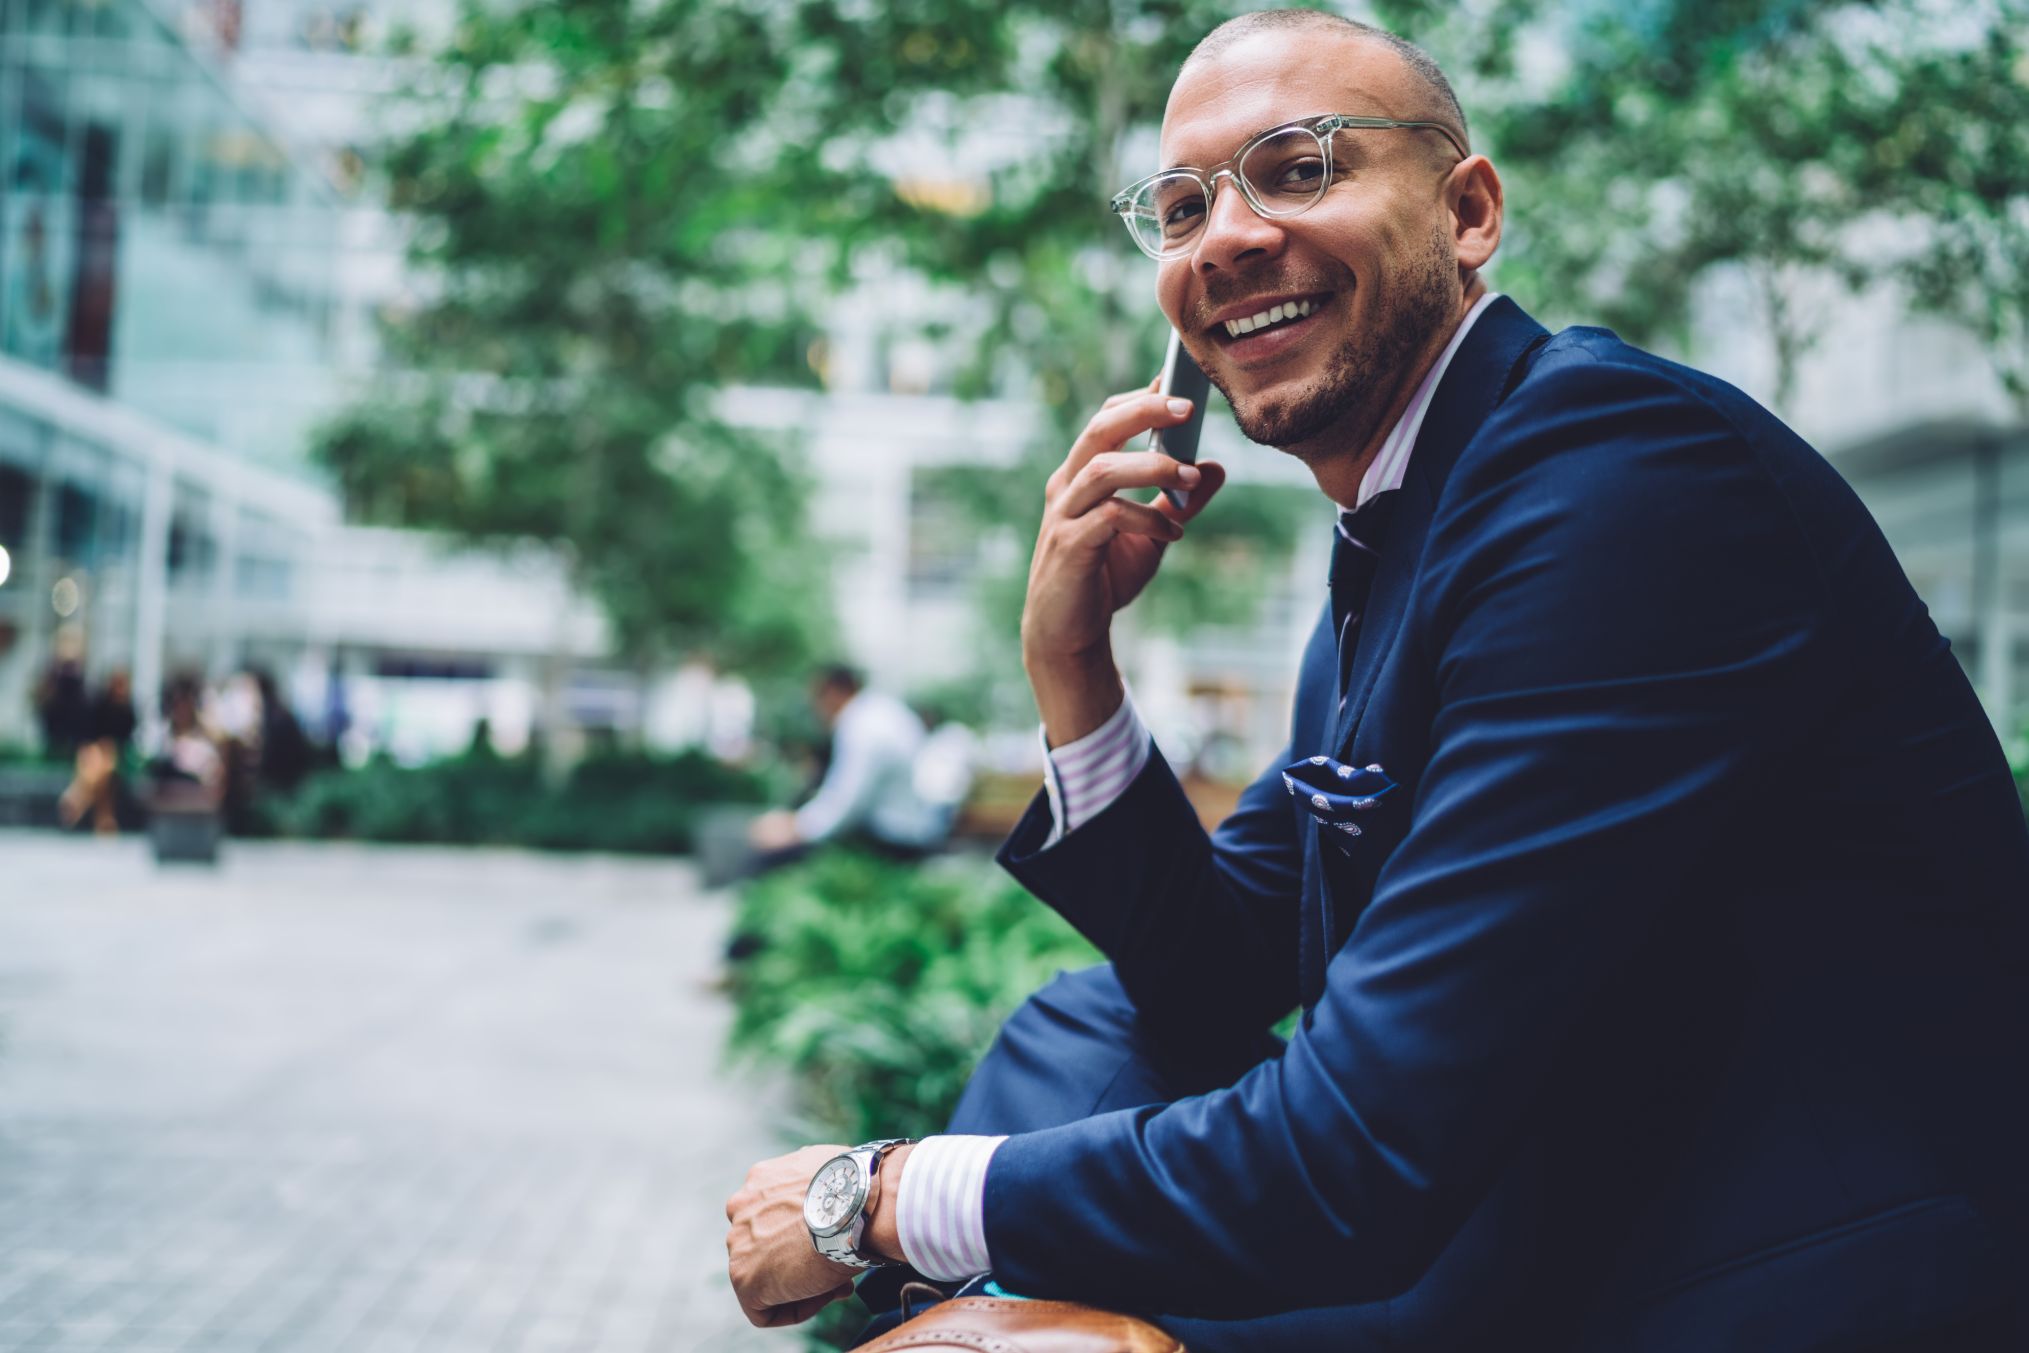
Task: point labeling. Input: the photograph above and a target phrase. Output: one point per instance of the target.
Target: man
(1650, 881)
(869, 788)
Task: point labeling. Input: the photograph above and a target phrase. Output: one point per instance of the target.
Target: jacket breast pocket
(1341, 798)
(1358, 814)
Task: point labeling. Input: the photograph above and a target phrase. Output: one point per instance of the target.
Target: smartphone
(1183, 379)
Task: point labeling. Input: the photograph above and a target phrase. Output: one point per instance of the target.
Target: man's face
(829, 701)
(1374, 256)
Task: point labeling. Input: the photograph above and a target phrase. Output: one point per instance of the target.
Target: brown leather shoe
(1000, 1325)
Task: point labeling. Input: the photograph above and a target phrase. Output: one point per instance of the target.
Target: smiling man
(1651, 883)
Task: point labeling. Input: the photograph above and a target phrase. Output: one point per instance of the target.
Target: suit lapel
(1482, 372)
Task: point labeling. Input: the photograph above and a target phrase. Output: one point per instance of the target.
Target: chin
(1291, 419)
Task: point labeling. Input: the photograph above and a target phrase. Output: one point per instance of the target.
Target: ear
(1473, 196)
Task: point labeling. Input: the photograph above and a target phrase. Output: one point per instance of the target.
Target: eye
(1299, 173)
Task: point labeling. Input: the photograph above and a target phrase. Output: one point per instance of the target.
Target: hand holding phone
(1182, 378)
(1099, 544)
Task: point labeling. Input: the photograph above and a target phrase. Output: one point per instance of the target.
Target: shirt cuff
(940, 1207)
(1083, 778)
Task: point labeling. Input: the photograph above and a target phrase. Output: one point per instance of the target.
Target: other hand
(778, 1275)
(774, 831)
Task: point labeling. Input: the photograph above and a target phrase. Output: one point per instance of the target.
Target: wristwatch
(835, 1208)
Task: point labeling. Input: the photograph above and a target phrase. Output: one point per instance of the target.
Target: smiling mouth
(1266, 333)
(1272, 316)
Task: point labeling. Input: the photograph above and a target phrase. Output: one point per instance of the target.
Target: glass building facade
(157, 244)
(163, 255)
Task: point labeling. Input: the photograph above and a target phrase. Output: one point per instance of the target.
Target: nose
(1234, 232)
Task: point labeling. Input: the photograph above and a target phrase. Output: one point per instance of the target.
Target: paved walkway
(362, 1099)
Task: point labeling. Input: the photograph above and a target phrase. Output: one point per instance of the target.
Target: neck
(1339, 458)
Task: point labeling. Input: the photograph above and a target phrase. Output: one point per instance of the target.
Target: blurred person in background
(191, 762)
(63, 707)
(1650, 881)
(99, 786)
(265, 748)
(286, 752)
(868, 793)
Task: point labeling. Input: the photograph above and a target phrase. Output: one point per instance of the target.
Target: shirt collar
(1391, 464)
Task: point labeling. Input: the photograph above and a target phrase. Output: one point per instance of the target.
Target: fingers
(1114, 424)
(794, 1312)
(1117, 517)
(1114, 471)
(1126, 395)
(1211, 478)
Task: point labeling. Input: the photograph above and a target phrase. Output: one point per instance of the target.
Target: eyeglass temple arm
(1337, 121)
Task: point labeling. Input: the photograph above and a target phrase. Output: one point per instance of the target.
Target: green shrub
(614, 802)
(877, 986)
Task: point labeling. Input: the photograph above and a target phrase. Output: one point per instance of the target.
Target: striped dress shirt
(940, 1202)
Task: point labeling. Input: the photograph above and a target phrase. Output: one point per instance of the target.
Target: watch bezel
(862, 1181)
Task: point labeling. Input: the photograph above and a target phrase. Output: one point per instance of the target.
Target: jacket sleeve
(1202, 929)
(1623, 625)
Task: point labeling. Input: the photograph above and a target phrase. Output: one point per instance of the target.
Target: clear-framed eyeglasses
(1281, 172)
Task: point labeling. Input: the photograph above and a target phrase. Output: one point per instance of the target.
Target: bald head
(1429, 93)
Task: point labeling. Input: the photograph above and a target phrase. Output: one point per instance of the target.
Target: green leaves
(590, 204)
(878, 986)
(1856, 142)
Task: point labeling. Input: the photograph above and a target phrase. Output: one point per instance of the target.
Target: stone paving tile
(378, 1101)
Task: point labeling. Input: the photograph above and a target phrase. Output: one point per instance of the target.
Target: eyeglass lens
(1284, 174)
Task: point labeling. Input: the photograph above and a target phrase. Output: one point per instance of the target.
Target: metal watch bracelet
(844, 1238)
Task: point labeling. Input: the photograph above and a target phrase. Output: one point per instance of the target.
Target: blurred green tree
(592, 187)
(1810, 144)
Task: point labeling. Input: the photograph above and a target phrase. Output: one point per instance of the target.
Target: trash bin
(184, 824)
(723, 855)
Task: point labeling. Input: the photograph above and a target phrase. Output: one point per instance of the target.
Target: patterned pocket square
(1334, 792)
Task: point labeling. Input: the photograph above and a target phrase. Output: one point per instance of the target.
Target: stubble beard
(1340, 406)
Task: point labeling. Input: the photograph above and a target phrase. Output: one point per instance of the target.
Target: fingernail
(1180, 407)
(1188, 474)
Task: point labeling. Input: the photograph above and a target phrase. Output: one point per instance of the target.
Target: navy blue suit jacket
(1679, 994)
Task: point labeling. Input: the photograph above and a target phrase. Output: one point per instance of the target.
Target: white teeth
(1273, 315)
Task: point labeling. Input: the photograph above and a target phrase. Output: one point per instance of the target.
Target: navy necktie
(1356, 553)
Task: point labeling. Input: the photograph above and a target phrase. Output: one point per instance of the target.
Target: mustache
(1223, 289)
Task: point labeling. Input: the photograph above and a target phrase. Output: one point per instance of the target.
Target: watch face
(834, 1196)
